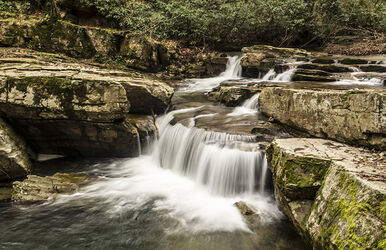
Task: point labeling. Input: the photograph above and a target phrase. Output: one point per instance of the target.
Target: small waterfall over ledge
(232, 72)
(211, 158)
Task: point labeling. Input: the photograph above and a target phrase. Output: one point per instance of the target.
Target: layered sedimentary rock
(333, 193)
(63, 107)
(14, 158)
(354, 116)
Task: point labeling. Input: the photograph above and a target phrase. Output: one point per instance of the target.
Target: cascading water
(286, 76)
(232, 72)
(209, 158)
(179, 196)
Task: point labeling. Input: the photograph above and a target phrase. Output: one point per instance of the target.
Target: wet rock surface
(36, 188)
(346, 208)
(249, 214)
(14, 157)
(353, 116)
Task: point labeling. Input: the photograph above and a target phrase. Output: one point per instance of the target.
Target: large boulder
(14, 159)
(334, 194)
(68, 108)
(351, 116)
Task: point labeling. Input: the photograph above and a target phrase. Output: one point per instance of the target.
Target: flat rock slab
(333, 193)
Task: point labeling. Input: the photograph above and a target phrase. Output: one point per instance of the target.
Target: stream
(179, 194)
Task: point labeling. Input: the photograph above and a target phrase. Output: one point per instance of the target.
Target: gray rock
(351, 116)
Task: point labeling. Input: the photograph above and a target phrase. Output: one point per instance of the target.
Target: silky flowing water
(179, 194)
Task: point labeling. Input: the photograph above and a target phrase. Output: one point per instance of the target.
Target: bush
(210, 21)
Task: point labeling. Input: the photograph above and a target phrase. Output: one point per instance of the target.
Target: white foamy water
(249, 107)
(134, 182)
(194, 176)
(286, 76)
(232, 72)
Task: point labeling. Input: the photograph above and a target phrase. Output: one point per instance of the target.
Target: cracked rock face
(14, 160)
(346, 208)
(353, 116)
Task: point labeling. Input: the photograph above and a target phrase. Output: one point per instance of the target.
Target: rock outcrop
(353, 116)
(14, 158)
(68, 108)
(37, 188)
(333, 193)
(83, 42)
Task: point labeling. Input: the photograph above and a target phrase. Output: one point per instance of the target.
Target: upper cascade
(232, 72)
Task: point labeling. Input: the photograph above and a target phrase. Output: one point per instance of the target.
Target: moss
(347, 205)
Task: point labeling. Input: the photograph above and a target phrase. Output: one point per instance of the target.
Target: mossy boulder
(298, 178)
(36, 188)
(14, 158)
(351, 116)
(347, 211)
(143, 53)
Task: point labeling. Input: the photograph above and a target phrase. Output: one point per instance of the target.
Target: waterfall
(269, 76)
(232, 72)
(211, 158)
(252, 102)
(286, 76)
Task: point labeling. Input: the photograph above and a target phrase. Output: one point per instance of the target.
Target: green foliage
(7, 6)
(236, 22)
(331, 16)
(209, 21)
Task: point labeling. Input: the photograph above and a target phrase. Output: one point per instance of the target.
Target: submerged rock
(37, 188)
(353, 116)
(249, 214)
(14, 159)
(244, 208)
(346, 208)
